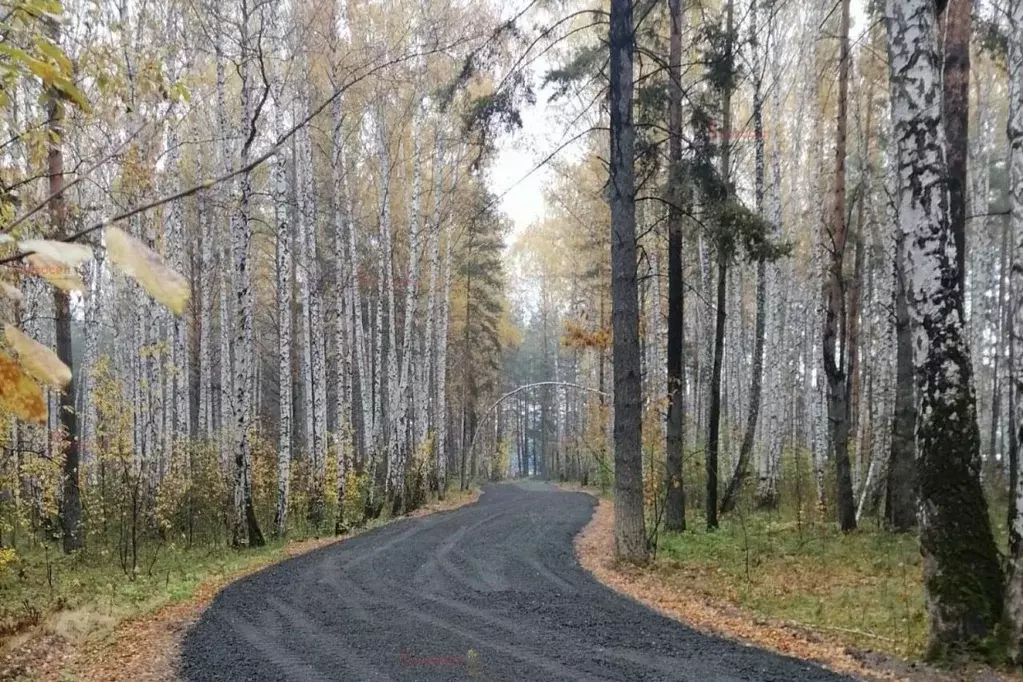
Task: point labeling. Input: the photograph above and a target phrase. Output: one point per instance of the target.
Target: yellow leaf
(54, 53)
(55, 272)
(145, 266)
(45, 72)
(38, 360)
(19, 394)
(71, 255)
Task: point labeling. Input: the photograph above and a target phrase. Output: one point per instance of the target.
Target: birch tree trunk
(1014, 597)
(245, 529)
(303, 273)
(205, 281)
(769, 461)
(401, 426)
(284, 302)
(962, 575)
(342, 337)
(316, 337)
(731, 496)
(391, 396)
(226, 263)
(430, 407)
(441, 409)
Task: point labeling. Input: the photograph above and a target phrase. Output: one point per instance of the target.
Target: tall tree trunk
(962, 574)
(245, 528)
(714, 413)
(836, 350)
(226, 260)
(757, 370)
(343, 344)
(429, 406)
(769, 462)
(629, 526)
(401, 425)
(205, 283)
(284, 303)
(1014, 598)
(467, 392)
(71, 501)
(316, 338)
(675, 504)
(1000, 340)
(956, 117)
(900, 491)
(442, 370)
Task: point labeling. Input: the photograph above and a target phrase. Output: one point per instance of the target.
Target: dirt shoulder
(593, 548)
(145, 648)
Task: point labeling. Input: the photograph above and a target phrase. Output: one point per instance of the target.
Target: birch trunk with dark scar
(962, 574)
(245, 529)
(225, 258)
(1014, 596)
(284, 272)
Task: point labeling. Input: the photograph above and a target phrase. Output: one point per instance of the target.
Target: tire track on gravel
(491, 591)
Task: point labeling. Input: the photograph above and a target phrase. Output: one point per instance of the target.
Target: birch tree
(1014, 592)
(962, 575)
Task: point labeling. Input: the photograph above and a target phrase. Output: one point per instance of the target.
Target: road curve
(491, 591)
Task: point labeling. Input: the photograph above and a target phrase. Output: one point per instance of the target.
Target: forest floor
(852, 603)
(115, 629)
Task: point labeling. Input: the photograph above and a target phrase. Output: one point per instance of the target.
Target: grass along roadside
(97, 625)
(852, 603)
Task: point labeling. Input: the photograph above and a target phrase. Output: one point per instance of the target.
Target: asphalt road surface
(490, 591)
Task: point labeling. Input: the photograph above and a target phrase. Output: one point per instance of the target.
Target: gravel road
(491, 591)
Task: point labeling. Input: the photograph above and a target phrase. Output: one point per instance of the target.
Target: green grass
(82, 593)
(88, 592)
(865, 587)
(78, 595)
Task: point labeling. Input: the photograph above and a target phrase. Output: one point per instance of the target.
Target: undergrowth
(77, 595)
(864, 587)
